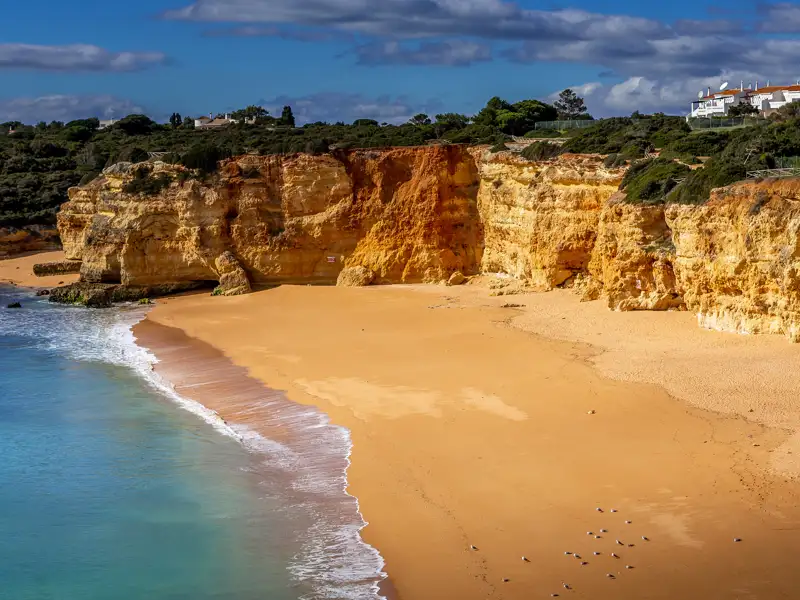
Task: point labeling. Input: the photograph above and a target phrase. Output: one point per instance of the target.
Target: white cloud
(65, 108)
(75, 57)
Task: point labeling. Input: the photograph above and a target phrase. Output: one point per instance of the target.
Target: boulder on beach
(456, 278)
(355, 277)
(14, 305)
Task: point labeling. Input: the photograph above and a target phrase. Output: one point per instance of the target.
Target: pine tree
(176, 120)
(287, 118)
(570, 106)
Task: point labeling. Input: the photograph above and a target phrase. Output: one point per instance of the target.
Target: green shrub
(649, 182)
(144, 183)
(543, 133)
(204, 157)
(542, 151)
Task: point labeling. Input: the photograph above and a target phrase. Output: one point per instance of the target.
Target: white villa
(765, 99)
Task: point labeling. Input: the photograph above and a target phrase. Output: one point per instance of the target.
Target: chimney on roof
(709, 91)
(742, 86)
(767, 82)
(756, 84)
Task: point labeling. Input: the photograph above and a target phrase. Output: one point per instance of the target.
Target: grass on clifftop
(649, 182)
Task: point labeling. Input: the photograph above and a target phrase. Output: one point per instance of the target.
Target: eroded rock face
(29, 238)
(632, 261)
(541, 219)
(407, 215)
(738, 257)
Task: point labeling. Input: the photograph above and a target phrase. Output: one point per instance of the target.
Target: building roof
(732, 92)
(203, 118)
(777, 88)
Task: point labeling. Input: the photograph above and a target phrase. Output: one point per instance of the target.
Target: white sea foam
(333, 561)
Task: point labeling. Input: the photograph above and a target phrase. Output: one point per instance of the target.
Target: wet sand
(470, 427)
(19, 271)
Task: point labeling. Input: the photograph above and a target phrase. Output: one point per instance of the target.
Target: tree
(188, 123)
(136, 124)
(175, 120)
(520, 118)
(251, 112)
(420, 120)
(742, 110)
(569, 105)
(287, 117)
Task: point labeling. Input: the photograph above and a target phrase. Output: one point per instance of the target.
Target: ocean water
(114, 487)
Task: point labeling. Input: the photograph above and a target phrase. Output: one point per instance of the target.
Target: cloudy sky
(383, 59)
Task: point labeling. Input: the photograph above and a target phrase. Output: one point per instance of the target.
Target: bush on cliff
(542, 151)
(650, 181)
(144, 182)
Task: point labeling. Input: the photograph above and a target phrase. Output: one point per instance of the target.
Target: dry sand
(472, 427)
(19, 271)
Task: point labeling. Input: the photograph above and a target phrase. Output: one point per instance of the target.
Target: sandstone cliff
(406, 215)
(541, 219)
(429, 214)
(30, 238)
(738, 257)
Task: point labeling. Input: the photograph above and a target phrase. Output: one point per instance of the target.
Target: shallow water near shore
(112, 486)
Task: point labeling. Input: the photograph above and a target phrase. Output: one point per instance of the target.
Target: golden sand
(19, 271)
(472, 428)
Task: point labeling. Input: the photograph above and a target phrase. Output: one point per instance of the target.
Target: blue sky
(383, 59)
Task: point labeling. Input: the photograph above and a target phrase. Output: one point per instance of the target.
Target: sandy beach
(470, 427)
(505, 423)
(19, 271)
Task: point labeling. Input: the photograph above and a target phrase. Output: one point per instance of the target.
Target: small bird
(620, 543)
(597, 537)
(631, 545)
(610, 575)
(627, 522)
(628, 567)
(578, 556)
(614, 555)
(737, 539)
(613, 510)
(604, 531)
(473, 547)
(598, 509)
(567, 552)
(589, 533)
(506, 580)
(525, 559)
(566, 586)
(554, 595)
(596, 553)
(644, 537)
(584, 563)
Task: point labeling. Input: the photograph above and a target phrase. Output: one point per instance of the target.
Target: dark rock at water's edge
(43, 293)
(104, 295)
(59, 267)
(14, 305)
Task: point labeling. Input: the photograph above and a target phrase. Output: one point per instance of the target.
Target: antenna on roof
(723, 86)
(700, 94)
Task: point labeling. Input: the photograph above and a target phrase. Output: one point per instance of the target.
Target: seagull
(620, 543)
(614, 555)
(473, 547)
(525, 559)
(598, 509)
(737, 539)
(644, 537)
(604, 531)
(584, 563)
(613, 510)
(628, 567)
(554, 595)
(627, 522)
(597, 554)
(597, 537)
(506, 580)
(578, 556)
(567, 552)
(566, 586)
(610, 575)
(589, 533)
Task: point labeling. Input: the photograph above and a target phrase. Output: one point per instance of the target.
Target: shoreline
(18, 270)
(416, 573)
(270, 426)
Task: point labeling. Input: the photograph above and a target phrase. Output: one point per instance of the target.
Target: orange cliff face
(404, 215)
(425, 214)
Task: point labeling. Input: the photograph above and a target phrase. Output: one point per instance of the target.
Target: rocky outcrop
(104, 295)
(738, 257)
(59, 267)
(406, 215)
(29, 238)
(632, 260)
(355, 277)
(541, 219)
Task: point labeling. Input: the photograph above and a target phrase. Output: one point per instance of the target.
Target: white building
(106, 123)
(766, 99)
(210, 122)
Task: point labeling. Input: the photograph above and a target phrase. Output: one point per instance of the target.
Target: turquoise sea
(112, 488)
